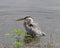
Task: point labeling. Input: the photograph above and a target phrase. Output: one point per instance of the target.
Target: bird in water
(31, 28)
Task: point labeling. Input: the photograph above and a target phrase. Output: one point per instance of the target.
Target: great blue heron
(31, 27)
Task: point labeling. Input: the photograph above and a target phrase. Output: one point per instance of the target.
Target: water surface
(45, 12)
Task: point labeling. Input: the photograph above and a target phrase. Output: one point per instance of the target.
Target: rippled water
(45, 12)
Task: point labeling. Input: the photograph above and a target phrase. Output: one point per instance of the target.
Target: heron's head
(27, 19)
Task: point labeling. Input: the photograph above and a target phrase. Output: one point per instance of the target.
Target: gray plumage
(31, 27)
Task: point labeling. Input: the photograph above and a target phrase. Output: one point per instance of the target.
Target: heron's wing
(33, 29)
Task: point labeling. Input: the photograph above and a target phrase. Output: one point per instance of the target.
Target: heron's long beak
(20, 19)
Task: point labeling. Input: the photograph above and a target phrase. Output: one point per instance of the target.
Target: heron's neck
(25, 25)
(31, 21)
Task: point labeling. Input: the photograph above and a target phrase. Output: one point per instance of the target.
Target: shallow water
(45, 12)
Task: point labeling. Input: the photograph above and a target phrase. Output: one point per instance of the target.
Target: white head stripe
(30, 19)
